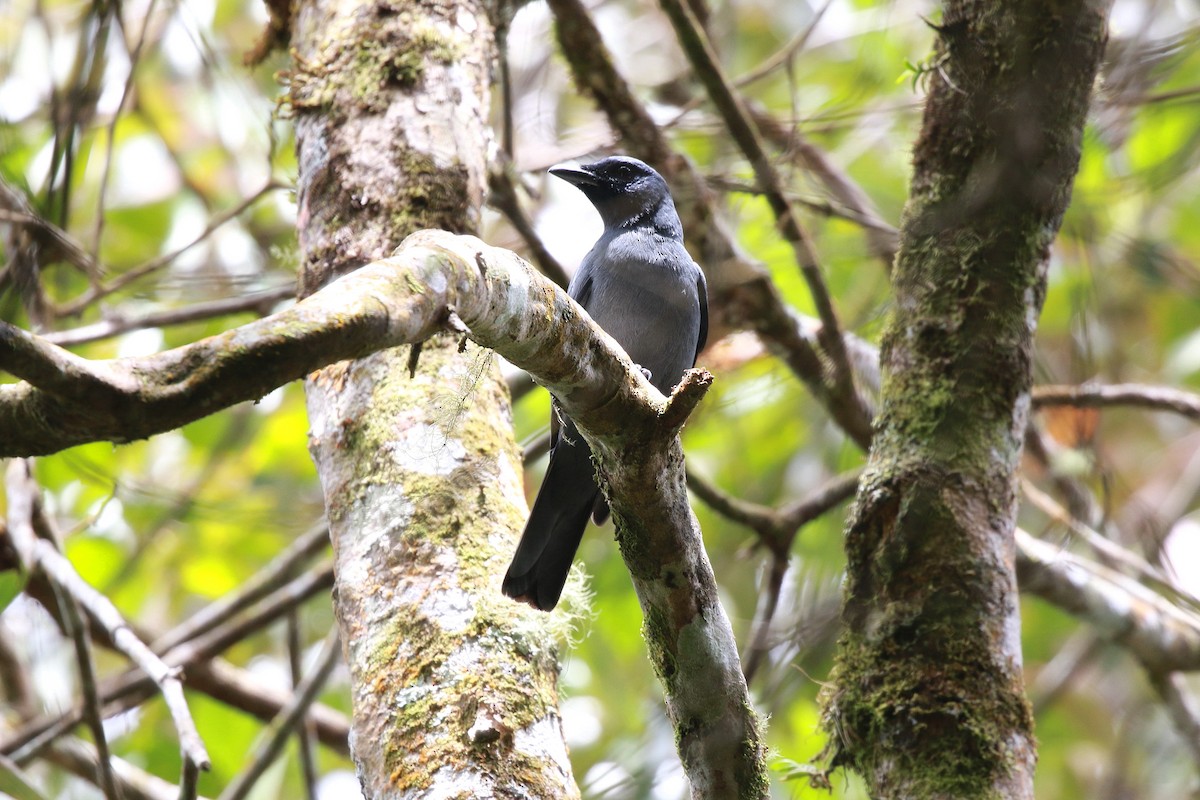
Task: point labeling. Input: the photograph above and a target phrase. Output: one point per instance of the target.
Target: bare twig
(132, 688)
(1181, 706)
(79, 758)
(741, 126)
(259, 302)
(97, 292)
(786, 53)
(274, 576)
(281, 728)
(768, 601)
(61, 242)
(23, 503)
(295, 651)
(1162, 635)
(248, 693)
(777, 530)
(1160, 398)
(75, 590)
(822, 207)
(134, 57)
(882, 237)
(1106, 548)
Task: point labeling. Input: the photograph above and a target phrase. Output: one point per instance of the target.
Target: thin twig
(822, 207)
(62, 243)
(79, 758)
(23, 505)
(134, 57)
(281, 728)
(1181, 707)
(1159, 398)
(76, 590)
(259, 302)
(757, 650)
(295, 651)
(883, 238)
(744, 131)
(275, 576)
(98, 292)
(786, 53)
(1106, 548)
(26, 742)
(777, 530)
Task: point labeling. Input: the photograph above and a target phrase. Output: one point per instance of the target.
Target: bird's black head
(626, 192)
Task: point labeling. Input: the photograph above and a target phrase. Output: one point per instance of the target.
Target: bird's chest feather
(641, 269)
(643, 293)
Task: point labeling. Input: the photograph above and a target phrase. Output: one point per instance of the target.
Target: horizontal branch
(259, 302)
(1159, 398)
(65, 400)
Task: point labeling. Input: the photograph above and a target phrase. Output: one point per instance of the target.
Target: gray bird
(641, 286)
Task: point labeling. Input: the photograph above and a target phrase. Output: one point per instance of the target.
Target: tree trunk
(454, 686)
(928, 698)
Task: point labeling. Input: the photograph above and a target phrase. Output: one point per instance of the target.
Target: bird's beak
(573, 174)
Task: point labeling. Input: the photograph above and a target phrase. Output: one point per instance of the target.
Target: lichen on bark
(454, 687)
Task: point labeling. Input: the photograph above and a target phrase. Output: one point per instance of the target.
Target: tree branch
(289, 718)
(508, 306)
(1160, 634)
(68, 400)
(22, 497)
(1159, 398)
(259, 302)
(77, 592)
(741, 292)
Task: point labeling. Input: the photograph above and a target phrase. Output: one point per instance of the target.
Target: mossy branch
(65, 400)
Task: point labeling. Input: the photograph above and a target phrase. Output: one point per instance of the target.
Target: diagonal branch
(288, 720)
(23, 501)
(744, 131)
(1161, 635)
(45, 557)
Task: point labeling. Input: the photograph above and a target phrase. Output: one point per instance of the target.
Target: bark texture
(928, 698)
(454, 687)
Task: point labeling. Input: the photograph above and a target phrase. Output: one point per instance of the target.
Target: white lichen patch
(544, 740)
(450, 608)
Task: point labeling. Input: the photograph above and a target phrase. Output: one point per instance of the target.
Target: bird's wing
(583, 294)
(702, 290)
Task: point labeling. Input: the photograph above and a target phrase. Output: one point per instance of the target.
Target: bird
(642, 287)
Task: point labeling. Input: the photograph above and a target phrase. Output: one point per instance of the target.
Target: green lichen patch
(361, 63)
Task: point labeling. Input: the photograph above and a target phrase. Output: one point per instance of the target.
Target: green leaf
(12, 583)
(15, 783)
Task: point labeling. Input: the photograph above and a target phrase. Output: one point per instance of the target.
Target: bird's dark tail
(560, 514)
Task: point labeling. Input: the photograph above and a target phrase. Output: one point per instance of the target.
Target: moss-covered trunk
(454, 686)
(927, 699)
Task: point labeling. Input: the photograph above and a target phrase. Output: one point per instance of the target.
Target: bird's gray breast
(644, 294)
